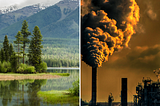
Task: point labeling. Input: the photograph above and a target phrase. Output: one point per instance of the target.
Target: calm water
(24, 92)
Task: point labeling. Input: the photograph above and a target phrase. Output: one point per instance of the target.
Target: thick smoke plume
(107, 27)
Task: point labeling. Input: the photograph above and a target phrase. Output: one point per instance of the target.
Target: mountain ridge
(12, 8)
(60, 15)
(17, 15)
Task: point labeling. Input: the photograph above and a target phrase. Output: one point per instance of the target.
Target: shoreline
(58, 96)
(48, 68)
(13, 76)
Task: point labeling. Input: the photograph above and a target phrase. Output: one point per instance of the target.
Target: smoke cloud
(144, 58)
(135, 64)
(85, 7)
(151, 13)
(107, 27)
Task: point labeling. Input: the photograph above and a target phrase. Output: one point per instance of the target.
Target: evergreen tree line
(61, 63)
(10, 61)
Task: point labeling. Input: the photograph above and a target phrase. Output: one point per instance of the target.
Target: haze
(142, 57)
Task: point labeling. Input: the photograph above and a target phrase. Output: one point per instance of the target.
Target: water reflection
(24, 92)
(6, 91)
(33, 88)
(14, 91)
(62, 83)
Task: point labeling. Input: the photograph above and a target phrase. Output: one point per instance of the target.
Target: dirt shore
(19, 77)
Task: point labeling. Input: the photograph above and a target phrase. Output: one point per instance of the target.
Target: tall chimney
(94, 85)
(124, 92)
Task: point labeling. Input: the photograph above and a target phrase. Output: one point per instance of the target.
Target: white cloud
(30, 2)
(23, 3)
(4, 3)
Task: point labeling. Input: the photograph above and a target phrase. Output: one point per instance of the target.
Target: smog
(107, 26)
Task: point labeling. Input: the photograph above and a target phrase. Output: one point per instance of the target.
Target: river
(24, 92)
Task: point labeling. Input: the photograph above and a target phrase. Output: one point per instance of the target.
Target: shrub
(42, 67)
(75, 90)
(5, 67)
(20, 70)
(30, 69)
(24, 66)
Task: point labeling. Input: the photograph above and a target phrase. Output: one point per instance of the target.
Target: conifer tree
(18, 42)
(35, 51)
(14, 62)
(6, 48)
(25, 34)
(11, 51)
(2, 55)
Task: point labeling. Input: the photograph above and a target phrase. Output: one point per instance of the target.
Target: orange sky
(135, 63)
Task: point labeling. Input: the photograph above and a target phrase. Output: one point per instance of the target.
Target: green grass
(58, 97)
(60, 74)
(17, 74)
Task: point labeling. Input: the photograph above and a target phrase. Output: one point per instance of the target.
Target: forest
(15, 61)
(61, 52)
(20, 55)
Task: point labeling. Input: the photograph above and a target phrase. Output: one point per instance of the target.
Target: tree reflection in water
(33, 88)
(24, 92)
(7, 90)
(16, 89)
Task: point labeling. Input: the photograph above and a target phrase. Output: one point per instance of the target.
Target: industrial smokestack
(107, 26)
(94, 85)
(124, 92)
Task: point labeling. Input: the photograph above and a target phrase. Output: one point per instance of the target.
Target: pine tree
(2, 55)
(11, 51)
(14, 62)
(18, 42)
(35, 51)
(25, 34)
(6, 48)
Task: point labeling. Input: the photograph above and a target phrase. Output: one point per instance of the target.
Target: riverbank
(15, 76)
(58, 97)
(63, 68)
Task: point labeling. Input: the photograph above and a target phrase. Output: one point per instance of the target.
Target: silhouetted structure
(148, 94)
(124, 92)
(110, 99)
(135, 100)
(94, 85)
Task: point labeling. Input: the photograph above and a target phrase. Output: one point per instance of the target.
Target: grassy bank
(37, 74)
(16, 76)
(58, 97)
(60, 74)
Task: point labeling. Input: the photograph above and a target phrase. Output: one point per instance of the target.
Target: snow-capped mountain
(40, 6)
(63, 17)
(15, 7)
(7, 9)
